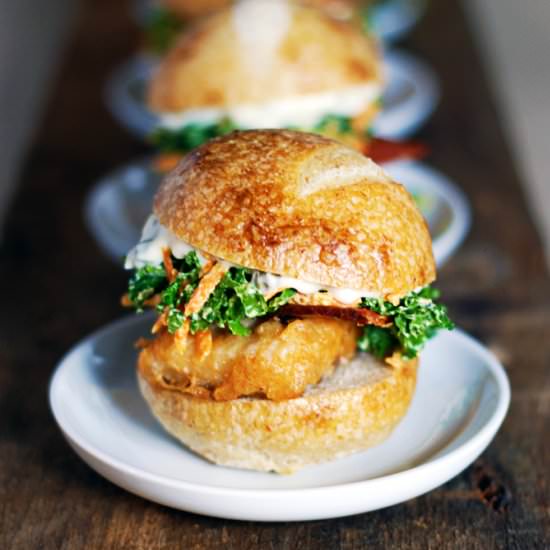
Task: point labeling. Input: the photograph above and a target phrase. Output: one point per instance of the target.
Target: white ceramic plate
(392, 20)
(411, 96)
(461, 399)
(119, 204)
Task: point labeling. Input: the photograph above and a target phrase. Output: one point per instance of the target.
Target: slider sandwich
(269, 64)
(290, 276)
(169, 17)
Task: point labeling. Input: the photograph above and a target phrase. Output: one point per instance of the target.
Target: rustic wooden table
(58, 287)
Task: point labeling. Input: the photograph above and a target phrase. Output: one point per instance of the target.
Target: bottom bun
(355, 408)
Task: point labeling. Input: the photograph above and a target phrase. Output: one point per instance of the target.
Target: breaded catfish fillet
(277, 360)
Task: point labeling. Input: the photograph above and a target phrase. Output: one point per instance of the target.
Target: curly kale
(189, 136)
(415, 320)
(235, 299)
(162, 29)
(145, 283)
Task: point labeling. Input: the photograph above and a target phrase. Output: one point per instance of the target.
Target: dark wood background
(57, 287)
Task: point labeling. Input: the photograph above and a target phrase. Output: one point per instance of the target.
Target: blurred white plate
(119, 204)
(391, 20)
(461, 399)
(394, 19)
(411, 96)
(441, 202)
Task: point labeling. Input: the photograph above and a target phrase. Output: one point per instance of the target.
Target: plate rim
(423, 102)
(484, 434)
(417, 8)
(91, 205)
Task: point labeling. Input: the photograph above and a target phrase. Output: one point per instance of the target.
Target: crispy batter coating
(277, 360)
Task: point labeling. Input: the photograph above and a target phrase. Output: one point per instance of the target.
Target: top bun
(262, 50)
(193, 8)
(302, 206)
(340, 9)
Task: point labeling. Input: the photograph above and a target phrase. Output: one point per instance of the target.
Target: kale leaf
(379, 341)
(367, 15)
(179, 291)
(193, 135)
(415, 320)
(190, 136)
(162, 29)
(145, 283)
(340, 124)
(235, 299)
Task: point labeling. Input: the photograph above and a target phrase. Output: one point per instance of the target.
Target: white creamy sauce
(303, 111)
(269, 283)
(155, 238)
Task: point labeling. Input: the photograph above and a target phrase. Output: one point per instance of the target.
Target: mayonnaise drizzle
(303, 111)
(155, 238)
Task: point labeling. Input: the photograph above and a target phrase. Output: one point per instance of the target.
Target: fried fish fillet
(277, 361)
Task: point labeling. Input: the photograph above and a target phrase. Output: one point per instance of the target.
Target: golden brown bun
(214, 64)
(355, 408)
(299, 205)
(186, 9)
(344, 10)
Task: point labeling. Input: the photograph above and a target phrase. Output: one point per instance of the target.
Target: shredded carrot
(153, 301)
(364, 119)
(180, 336)
(166, 162)
(207, 267)
(142, 343)
(206, 286)
(159, 323)
(203, 344)
(182, 332)
(171, 271)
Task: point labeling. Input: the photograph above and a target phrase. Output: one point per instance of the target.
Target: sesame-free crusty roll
(302, 206)
(261, 51)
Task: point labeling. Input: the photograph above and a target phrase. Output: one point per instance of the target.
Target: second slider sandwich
(170, 16)
(291, 279)
(268, 64)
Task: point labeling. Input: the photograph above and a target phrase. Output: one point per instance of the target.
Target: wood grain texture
(58, 287)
